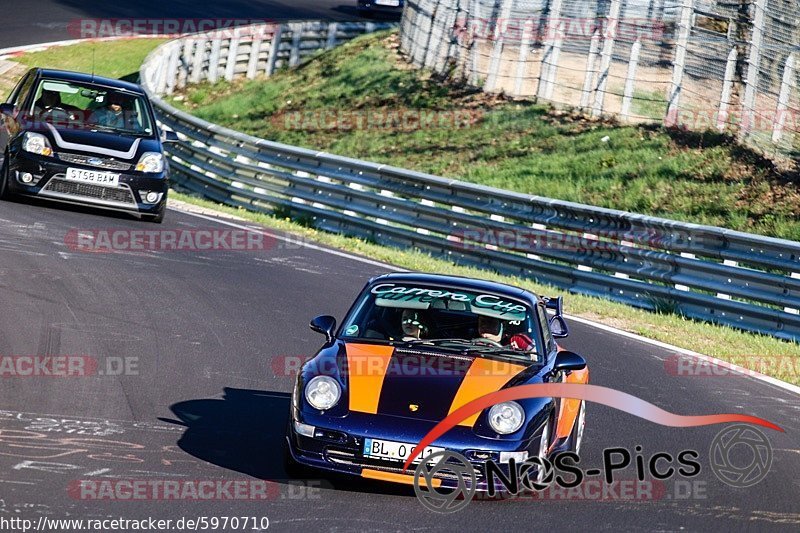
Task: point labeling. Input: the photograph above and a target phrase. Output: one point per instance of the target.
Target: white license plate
(395, 451)
(109, 179)
(392, 3)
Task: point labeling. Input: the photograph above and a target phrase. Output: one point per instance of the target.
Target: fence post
(172, 66)
(274, 47)
(497, 50)
(252, 62)
(591, 70)
(297, 33)
(753, 61)
(783, 98)
(549, 59)
(727, 89)
(605, 58)
(473, 52)
(197, 60)
(522, 59)
(553, 70)
(213, 57)
(230, 64)
(332, 29)
(679, 64)
(435, 37)
(630, 80)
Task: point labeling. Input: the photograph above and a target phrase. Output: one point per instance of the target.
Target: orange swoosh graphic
(590, 393)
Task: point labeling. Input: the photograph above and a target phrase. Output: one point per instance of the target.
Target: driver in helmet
(112, 114)
(413, 324)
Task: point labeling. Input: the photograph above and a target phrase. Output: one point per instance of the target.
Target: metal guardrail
(728, 277)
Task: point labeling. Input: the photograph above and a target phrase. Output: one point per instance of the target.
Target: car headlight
(323, 392)
(36, 143)
(150, 162)
(506, 417)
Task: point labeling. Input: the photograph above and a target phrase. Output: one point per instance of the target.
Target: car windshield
(93, 107)
(482, 323)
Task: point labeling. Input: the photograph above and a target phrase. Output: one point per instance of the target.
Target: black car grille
(342, 456)
(87, 190)
(98, 162)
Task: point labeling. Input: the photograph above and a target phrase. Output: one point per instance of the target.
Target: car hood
(420, 384)
(100, 143)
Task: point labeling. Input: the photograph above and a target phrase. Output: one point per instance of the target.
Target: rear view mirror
(567, 361)
(324, 324)
(558, 327)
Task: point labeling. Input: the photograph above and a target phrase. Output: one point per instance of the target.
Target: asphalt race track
(203, 397)
(54, 20)
(205, 401)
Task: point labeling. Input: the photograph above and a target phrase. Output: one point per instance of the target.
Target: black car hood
(97, 142)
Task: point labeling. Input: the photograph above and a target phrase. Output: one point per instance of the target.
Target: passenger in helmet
(490, 328)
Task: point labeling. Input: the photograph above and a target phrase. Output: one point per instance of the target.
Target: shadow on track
(244, 432)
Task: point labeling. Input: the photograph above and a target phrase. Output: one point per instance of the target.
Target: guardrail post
(332, 29)
(630, 80)
(679, 64)
(553, 35)
(522, 59)
(213, 57)
(753, 62)
(497, 50)
(727, 89)
(605, 58)
(787, 84)
(297, 33)
(591, 70)
(274, 48)
(230, 64)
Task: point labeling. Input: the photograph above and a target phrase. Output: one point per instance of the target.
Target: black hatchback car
(85, 139)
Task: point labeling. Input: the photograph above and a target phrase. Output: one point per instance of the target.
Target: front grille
(98, 162)
(348, 458)
(87, 190)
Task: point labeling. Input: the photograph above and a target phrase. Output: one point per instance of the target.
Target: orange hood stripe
(366, 365)
(484, 376)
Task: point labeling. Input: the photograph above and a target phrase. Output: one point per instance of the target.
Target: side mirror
(558, 327)
(324, 324)
(7, 109)
(567, 361)
(168, 137)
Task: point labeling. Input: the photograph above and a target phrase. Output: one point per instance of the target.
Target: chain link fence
(723, 65)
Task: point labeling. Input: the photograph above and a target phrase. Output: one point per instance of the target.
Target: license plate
(392, 3)
(395, 451)
(108, 179)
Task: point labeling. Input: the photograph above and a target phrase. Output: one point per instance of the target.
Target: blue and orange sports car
(411, 350)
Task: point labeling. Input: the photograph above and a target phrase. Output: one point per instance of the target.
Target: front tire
(159, 217)
(576, 437)
(5, 193)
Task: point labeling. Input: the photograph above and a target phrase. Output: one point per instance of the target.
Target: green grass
(113, 59)
(746, 349)
(703, 178)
